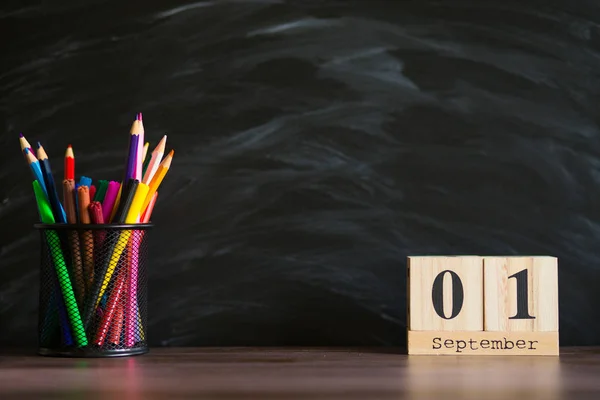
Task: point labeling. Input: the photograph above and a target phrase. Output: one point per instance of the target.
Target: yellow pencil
(131, 218)
(145, 151)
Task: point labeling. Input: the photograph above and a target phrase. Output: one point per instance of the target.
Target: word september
(475, 344)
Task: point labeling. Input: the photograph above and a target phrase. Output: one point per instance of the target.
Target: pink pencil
(109, 199)
(131, 322)
(140, 150)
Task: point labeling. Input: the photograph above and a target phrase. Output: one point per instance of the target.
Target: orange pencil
(163, 168)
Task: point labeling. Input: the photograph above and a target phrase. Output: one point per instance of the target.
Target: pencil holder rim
(137, 227)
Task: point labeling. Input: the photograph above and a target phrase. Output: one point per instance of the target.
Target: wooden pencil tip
(160, 147)
(171, 153)
(21, 135)
(26, 150)
(39, 145)
(69, 147)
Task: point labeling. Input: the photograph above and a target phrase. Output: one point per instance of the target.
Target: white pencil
(157, 154)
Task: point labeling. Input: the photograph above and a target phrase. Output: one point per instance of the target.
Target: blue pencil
(59, 212)
(34, 164)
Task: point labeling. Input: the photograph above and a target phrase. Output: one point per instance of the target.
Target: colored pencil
(131, 161)
(69, 163)
(145, 218)
(106, 270)
(61, 267)
(155, 160)
(76, 259)
(59, 213)
(132, 152)
(139, 150)
(56, 302)
(117, 323)
(124, 239)
(87, 238)
(111, 307)
(133, 262)
(97, 279)
(128, 193)
(109, 200)
(135, 202)
(34, 164)
(25, 144)
(132, 316)
(101, 192)
(145, 152)
(163, 168)
(119, 318)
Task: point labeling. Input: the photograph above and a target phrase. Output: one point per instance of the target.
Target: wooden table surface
(298, 373)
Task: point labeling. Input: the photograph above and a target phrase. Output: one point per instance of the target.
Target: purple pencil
(137, 133)
(132, 159)
(109, 199)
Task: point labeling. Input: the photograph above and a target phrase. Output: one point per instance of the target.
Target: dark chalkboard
(318, 143)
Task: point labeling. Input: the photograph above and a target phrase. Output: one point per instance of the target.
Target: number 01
(458, 295)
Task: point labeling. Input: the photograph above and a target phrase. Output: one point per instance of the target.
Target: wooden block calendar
(479, 305)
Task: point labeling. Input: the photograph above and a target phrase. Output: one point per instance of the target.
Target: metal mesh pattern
(93, 290)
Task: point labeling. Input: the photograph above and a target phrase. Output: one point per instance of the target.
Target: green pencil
(61, 266)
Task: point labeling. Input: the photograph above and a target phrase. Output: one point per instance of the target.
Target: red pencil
(145, 218)
(114, 336)
(112, 306)
(69, 163)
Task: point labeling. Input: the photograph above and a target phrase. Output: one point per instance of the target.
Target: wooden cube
(445, 293)
(521, 294)
(483, 305)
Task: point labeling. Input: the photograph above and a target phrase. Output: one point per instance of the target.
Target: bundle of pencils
(94, 244)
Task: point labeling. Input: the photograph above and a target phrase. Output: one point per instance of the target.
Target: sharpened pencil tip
(69, 146)
(26, 150)
(39, 145)
(139, 116)
(21, 135)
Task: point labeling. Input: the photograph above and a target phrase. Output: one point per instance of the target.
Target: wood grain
(423, 270)
(301, 373)
(501, 293)
(483, 343)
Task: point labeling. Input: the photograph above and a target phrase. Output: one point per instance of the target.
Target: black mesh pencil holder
(93, 290)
